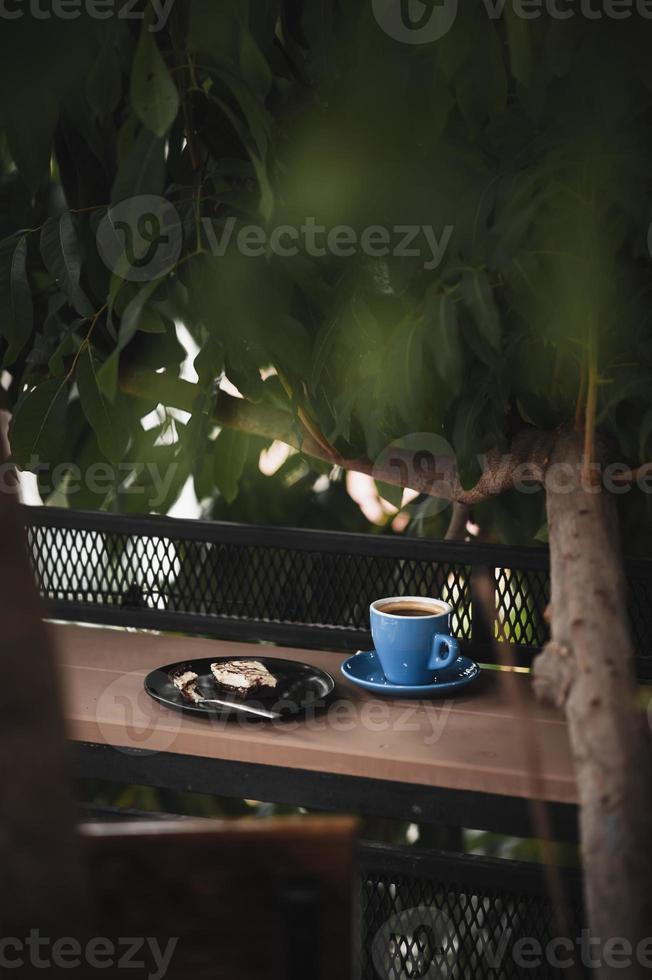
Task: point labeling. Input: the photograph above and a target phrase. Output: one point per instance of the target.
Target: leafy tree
(134, 162)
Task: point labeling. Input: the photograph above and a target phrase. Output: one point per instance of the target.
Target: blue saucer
(364, 669)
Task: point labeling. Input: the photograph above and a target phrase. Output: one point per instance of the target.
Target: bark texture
(459, 519)
(42, 881)
(588, 667)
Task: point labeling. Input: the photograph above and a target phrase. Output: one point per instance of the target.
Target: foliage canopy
(528, 139)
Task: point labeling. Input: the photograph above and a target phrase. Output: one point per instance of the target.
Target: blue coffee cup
(412, 638)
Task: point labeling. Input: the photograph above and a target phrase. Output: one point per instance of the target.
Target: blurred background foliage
(529, 140)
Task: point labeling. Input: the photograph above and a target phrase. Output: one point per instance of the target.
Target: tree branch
(553, 673)
(525, 461)
(457, 527)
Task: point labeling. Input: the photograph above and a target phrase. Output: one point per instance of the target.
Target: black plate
(300, 687)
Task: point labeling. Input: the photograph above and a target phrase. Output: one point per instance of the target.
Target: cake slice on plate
(243, 677)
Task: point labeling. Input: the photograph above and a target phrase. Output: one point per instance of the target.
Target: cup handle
(445, 649)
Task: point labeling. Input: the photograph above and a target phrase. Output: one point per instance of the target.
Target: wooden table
(466, 760)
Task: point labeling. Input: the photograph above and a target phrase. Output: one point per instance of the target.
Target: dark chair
(246, 900)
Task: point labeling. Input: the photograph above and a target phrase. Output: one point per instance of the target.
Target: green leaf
(16, 307)
(254, 66)
(470, 410)
(481, 87)
(167, 389)
(41, 62)
(390, 493)
(230, 454)
(443, 103)
(38, 424)
(258, 120)
(453, 50)
(62, 257)
(151, 321)
(111, 439)
(443, 334)
(143, 169)
(395, 375)
(132, 316)
(209, 362)
(213, 27)
(257, 159)
(479, 298)
(107, 376)
(644, 434)
(66, 348)
(520, 45)
(561, 40)
(289, 344)
(542, 534)
(104, 81)
(115, 286)
(153, 93)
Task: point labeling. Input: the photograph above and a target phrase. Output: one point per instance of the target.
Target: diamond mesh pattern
(300, 580)
(244, 581)
(521, 598)
(639, 602)
(450, 927)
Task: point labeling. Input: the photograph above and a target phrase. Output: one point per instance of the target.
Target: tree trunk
(42, 880)
(588, 667)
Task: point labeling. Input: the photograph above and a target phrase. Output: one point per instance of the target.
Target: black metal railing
(456, 916)
(304, 588)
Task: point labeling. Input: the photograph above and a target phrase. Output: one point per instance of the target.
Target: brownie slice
(243, 677)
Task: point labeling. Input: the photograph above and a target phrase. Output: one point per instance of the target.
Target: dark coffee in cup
(410, 608)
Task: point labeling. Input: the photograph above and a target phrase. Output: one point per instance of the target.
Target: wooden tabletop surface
(492, 737)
